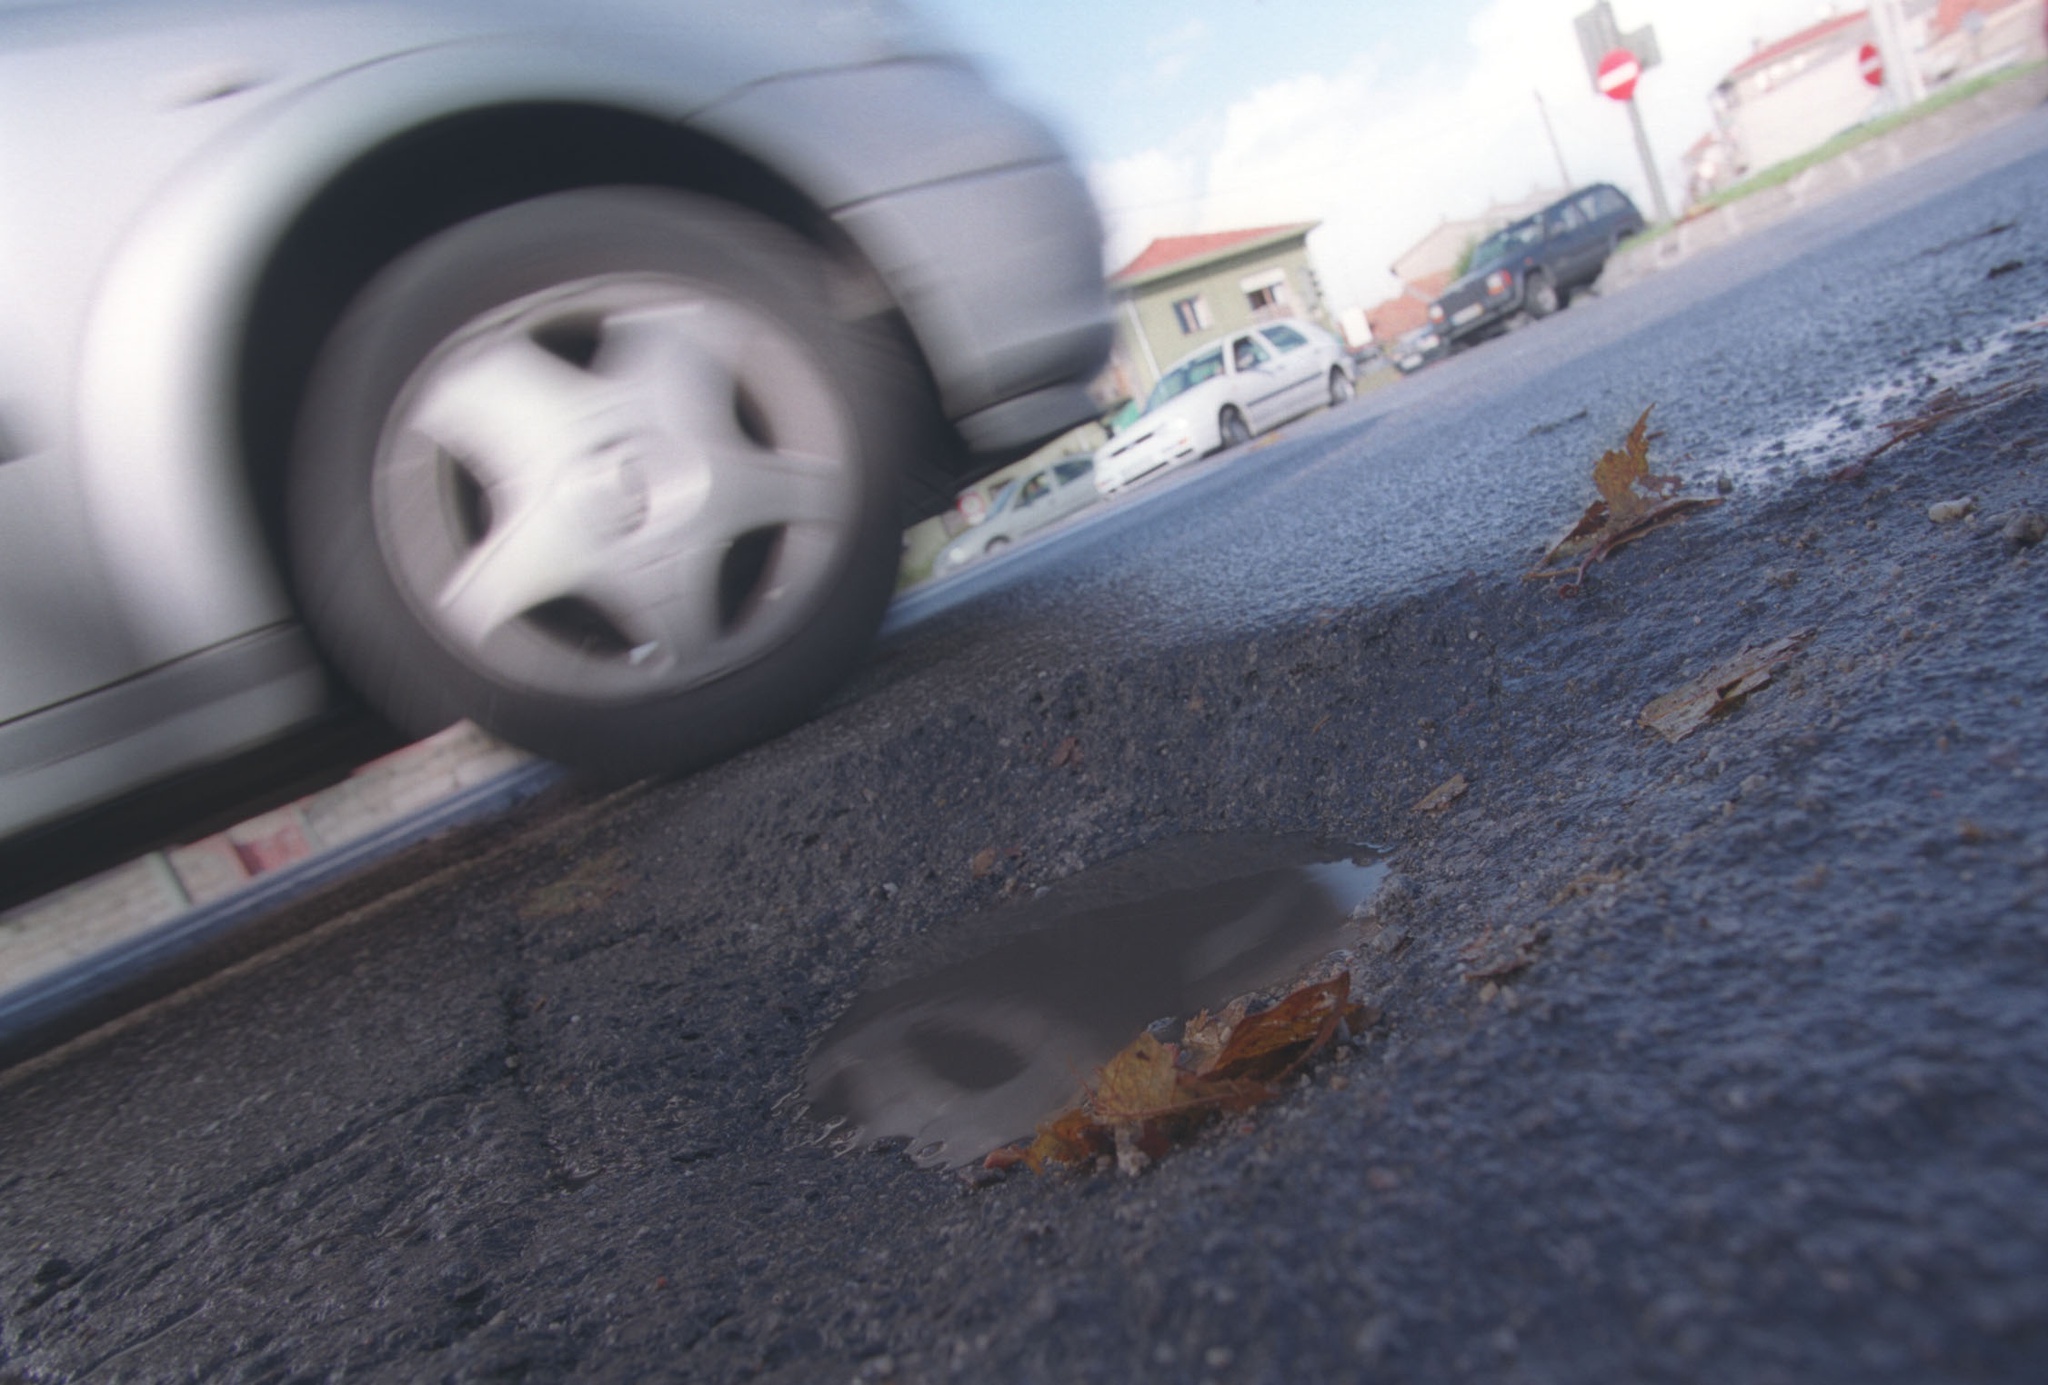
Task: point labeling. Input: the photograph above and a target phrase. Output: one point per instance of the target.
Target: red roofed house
(1182, 292)
(1788, 96)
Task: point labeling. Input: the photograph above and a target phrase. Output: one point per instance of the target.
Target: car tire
(1231, 428)
(1341, 388)
(1542, 298)
(600, 472)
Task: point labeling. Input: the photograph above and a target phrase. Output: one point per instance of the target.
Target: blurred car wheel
(1543, 298)
(600, 472)
(1341, 388)
(1230, 423)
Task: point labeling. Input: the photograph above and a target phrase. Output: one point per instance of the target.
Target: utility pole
(1901, 70)
(1556, 149)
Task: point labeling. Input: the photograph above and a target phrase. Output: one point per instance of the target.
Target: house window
(1267, 294)
(1192, 314)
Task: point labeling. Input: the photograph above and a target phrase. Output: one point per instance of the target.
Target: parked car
(1223, 394)
(1533, 266)
(1020, 505)
(1417, 347)
(568, 368)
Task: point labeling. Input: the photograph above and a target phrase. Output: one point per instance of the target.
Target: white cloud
(1152, 191)
(1379, 152)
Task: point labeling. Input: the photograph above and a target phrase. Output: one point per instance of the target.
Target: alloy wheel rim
(621, 486)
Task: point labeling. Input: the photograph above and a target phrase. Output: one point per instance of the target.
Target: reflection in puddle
(971, 1056)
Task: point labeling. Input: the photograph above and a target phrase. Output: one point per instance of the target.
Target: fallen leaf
(984, 861)
(1683, 710)
(1271, 1044)
(1442, 796)
(1068, 752)
(1153, 1094)
(1624, 479)
(1633, 502)
(1203, 1037)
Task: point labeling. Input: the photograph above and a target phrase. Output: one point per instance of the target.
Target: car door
(1300, 365)
(1257, 386)
(1034, 506)
(1610, 217)
(1073, 485)
(1568, 248)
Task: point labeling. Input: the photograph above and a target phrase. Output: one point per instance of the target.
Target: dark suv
(1534, 265)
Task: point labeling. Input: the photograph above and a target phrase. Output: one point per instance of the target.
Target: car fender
(154, 404)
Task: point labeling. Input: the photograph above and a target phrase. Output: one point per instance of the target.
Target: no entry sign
(1617, 74)
(1871, 64)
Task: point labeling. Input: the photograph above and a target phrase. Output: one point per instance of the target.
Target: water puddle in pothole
(971, 1055)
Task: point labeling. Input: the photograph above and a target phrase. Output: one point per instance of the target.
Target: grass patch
(1791, 168)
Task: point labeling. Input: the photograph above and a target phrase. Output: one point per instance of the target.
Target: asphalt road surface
(1723, 1059)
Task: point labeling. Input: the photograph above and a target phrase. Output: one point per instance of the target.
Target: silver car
(569, 367)
(1023, 505)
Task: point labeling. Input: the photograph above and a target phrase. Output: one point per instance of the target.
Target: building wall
(2012, 33)
(1219, 283)
(1799, 100)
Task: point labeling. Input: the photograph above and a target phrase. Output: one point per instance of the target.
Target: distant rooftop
(1169, 254)
(1771, 52)
(1949, 15)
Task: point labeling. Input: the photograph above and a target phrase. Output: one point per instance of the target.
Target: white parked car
(1226, 393)
(570, 367)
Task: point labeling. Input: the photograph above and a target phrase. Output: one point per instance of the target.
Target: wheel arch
(431, 177)
(201, 330)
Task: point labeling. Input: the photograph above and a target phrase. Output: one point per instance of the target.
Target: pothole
(970, 1056)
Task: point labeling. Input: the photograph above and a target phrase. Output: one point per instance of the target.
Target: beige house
(1182, 292)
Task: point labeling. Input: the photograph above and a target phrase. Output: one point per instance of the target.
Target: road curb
(1888, 153)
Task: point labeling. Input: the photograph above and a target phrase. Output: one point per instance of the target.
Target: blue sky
(1374, 117)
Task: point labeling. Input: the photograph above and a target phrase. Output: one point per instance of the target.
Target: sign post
(1616, 62)
(1619, 72)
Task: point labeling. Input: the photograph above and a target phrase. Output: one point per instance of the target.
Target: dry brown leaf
(1623, 478)
(984, 861)
(1634, 501)
(1683, 710)
(1203, 1037)
(1269, 1045)
(1442, 796)
(1152, 1094)
(1068, 752)
(1139, 1084)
